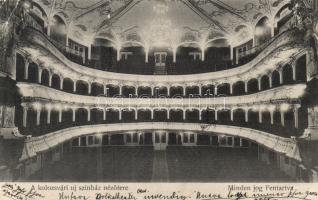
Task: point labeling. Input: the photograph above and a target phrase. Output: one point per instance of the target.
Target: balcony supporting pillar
(60, 115)
(48, 119)
(260, 116)
(38, 117)
(74, 86)
(104, 114)
(296, 116)
(282, 118)
(39, 75)
(272, 117)
(73, 114)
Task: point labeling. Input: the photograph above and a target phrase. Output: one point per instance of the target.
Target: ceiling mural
(168, 20)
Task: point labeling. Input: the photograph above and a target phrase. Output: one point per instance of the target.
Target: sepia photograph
(158, 91)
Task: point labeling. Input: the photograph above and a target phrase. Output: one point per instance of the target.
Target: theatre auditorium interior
(159, 90)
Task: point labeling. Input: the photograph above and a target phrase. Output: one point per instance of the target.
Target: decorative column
(296, 116)
(294, 71)
(60, 115)
(184, 115)
(136, 114)
(146, 55)
(38, 117)
(232, 115)
(104, 114)
(26, 69)
(136, 91)
(184, 90)
(25, 116)
(120, 90)
(246, 115)
(105, 90)
(48, 116)
(118, 53)
(119, 114)
(231, 88)
(216, 115)
(281, 80)
(237, 56)
(174, 52)
(89, 53)
(89, 87)
(168, 114)
(74, 86)
(282, 118)
(202, 55)
(200, 90)
(216, 89)
(151, 111)
(245, 86)
(260, 116)
(259, 81)
(50, 79)
(88, 114)
(40, 75)
(168, 90)
(270, 80)
(272, 116)
(200, 114)
(61, 83)
(73, 114)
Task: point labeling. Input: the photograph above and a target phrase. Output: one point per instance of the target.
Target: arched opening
(176, 91)
(207, 90)
(68, 85)
(67, 117)
(56, 82)
(192, 91)
(128, 115)
(31, 119)
(112, 116)
(239, 117)
(263, 31)
(265, 83)
(43, 118)
(223, 89)
(282, 19)
(208, 116)
(97, 89)
(224, 116)
(58, 30)
(192, 116)
(239, 88)
(160, 92)
(252, 86)
(20, 67)
(176, 115)
(54, 117)
(290, 123)
(287, 74)
(81, 87)
(144, 91)
(301, 69)
(253, 119)
(97, 115)
(144, 115)
(128, 91)
(81, 116)
(266, 119)
(275, 79)
(33, 73)
(160, 115)
(45, 77)
(112, 90)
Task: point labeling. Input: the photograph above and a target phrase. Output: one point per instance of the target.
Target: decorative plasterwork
(233, 20)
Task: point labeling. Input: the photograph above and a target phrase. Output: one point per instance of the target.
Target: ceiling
(136, 21)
